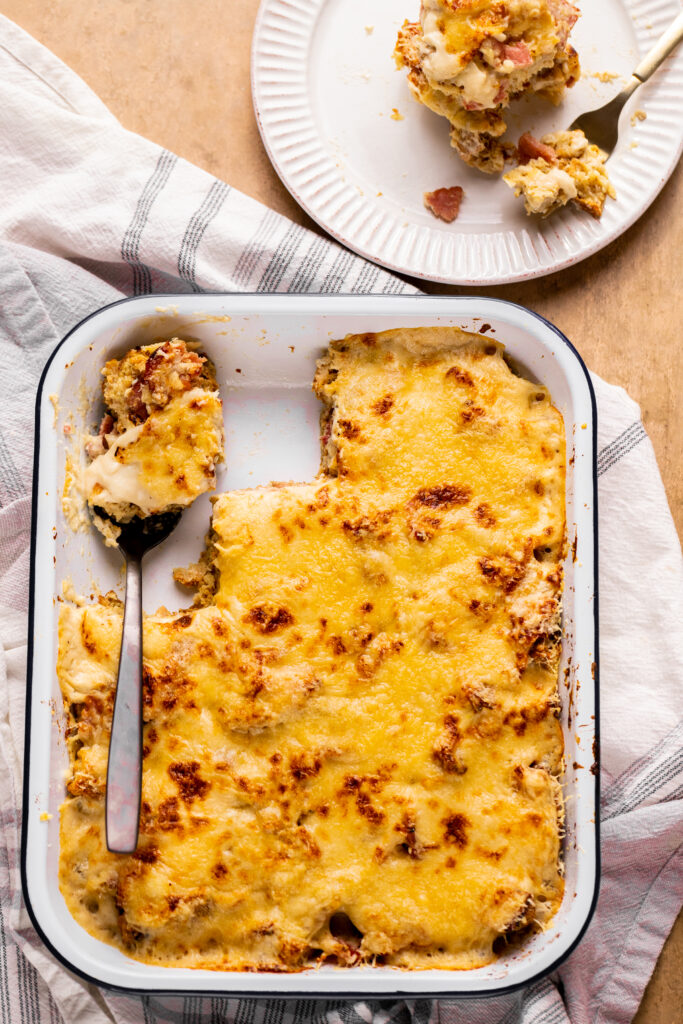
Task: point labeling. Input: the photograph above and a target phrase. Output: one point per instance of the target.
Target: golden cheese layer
(353, 754)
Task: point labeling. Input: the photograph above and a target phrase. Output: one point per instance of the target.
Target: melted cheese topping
(166, 461)
(353, 754)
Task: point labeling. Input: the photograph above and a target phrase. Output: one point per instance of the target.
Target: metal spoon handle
(662, 48)
(124, 768)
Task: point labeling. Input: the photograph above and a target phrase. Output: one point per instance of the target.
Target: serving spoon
(601, 126)
(124, 766)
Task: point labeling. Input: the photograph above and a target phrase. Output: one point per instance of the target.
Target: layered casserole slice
(467, 59)
(161, 436)
(352, 753)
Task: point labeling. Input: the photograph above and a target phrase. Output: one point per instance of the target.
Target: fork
(124, 766)
(601, 127)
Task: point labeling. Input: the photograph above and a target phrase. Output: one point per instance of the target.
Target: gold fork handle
(668, 42)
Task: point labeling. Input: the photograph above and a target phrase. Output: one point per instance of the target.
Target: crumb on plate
(444, 203)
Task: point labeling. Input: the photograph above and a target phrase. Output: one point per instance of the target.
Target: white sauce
(561, 182)
(439, 65)
(549, 188)
(479, 86)
(119, 482)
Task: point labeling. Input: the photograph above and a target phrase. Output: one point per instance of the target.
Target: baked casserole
(351, 751)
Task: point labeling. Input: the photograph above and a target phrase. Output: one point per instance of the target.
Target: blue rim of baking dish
(342, 993)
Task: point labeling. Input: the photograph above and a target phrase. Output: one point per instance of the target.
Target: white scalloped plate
(324, 87)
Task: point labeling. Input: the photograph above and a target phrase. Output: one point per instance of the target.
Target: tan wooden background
(177, 72)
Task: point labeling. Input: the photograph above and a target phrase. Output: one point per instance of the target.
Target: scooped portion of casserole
(352, 754)
(161, 436)
(468, 59)
(562, 168)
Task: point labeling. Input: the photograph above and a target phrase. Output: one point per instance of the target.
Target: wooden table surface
(177, 72)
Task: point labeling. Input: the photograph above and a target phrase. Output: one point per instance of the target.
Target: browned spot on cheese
(494, 855)
(471, 412)
(168, 817)
(455, 830)
(146, 854)
(219, 870)
(336, 645)
(382, 406)
(456, 373)
(268, 618)
(368, 810)
(218, 626)
(349, 430)
(376, 523)
(359, 785)
(186, 776)
(442, 496)
(484, 515)
(304, 766)
(445, 753)
(504, 572)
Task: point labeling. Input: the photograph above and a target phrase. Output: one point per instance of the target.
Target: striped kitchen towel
(91, 212)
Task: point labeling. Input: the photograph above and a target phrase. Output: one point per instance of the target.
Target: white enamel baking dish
(264, 348)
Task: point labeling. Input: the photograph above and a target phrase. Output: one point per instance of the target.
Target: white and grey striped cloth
(90, 212)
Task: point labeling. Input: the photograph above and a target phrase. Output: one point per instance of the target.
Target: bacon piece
(517, 52)
(136, 407)
(565, 15)
(107, 424)
(529, 148)
(98, 445)
(444, 203)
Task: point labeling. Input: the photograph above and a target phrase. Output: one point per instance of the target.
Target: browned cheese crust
(352, 754)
